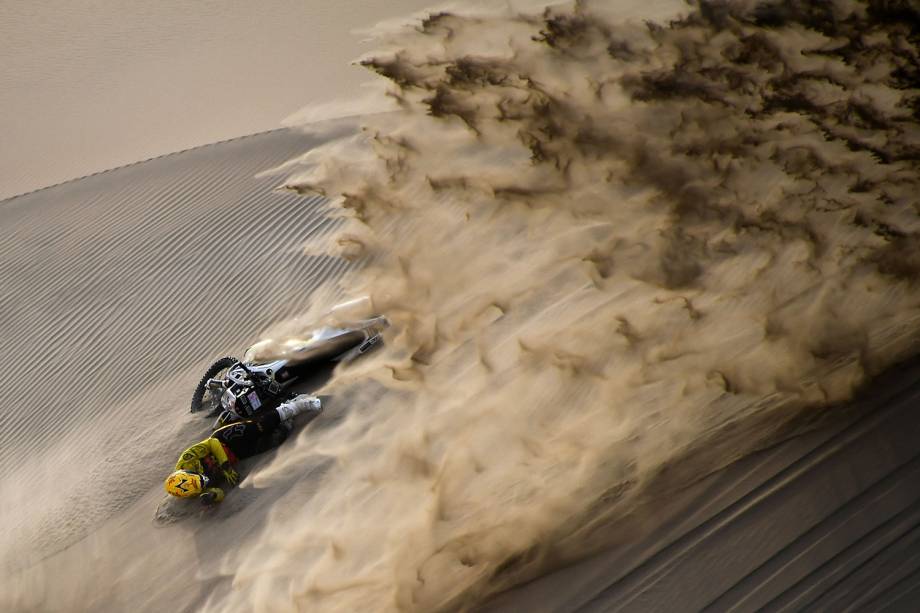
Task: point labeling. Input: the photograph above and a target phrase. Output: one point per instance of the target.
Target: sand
(635, 274)
(119, 289)
(824, 520)
(612, 251)
(91, 85)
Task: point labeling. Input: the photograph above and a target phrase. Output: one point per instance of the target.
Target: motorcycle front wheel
(205, 397)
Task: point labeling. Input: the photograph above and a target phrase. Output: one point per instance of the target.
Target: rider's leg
(299, 404)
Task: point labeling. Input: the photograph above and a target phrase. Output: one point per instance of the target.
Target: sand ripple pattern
(117, 290)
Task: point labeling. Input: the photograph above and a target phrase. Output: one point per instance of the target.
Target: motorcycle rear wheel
(203, 398)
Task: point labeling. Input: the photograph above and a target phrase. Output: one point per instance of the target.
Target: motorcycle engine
(244, 402)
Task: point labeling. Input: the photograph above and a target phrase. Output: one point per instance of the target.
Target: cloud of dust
(600, 243)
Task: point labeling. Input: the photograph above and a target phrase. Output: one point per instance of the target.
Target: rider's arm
(190, 458)
(217, 450)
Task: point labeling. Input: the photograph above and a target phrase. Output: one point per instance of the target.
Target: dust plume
(603, 244)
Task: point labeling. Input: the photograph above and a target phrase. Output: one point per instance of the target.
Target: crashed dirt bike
(235, 389)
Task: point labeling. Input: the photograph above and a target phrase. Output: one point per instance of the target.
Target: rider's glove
(229, 474)
(212, 496)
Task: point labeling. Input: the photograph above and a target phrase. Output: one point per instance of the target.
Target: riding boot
(296, 406)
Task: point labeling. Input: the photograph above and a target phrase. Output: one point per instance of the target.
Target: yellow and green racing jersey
(193, 459)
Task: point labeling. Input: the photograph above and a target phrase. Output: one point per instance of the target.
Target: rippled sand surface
(119, 289)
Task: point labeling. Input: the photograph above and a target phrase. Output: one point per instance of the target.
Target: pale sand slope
(117, 290)
(93, 85)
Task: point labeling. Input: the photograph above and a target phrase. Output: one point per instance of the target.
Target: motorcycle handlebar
(252, 375)
(246, 370)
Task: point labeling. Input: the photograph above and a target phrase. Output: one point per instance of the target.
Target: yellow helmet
(185, 484)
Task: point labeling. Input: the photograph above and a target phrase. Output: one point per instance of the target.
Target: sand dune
(612, 250)
(620, 260)
(827, 520)
(118, 289)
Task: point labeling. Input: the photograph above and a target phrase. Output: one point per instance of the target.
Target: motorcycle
(235, 389)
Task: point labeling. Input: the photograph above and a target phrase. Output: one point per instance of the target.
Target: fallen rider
(201, 466)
